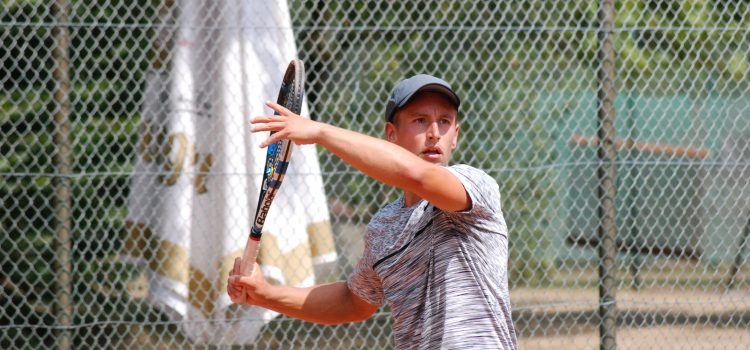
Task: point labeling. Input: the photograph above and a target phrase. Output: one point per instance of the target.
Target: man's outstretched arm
(382, 160)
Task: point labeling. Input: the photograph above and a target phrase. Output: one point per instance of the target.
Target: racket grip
(249, 256)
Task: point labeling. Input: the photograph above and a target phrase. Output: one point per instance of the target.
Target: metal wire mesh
(73, 77)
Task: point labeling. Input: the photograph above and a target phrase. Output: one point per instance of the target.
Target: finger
(266, 119)
(239, 281)
(272, 139)
(237, 266)
(232, 281)
(244, 296)
(243, 281)
(279, 108)
(274, 126)
(233, 293)
(236, 292)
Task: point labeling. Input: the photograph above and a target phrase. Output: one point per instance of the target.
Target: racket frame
(278, 155)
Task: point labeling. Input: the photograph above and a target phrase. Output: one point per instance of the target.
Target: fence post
(61, 108)
(606, 174)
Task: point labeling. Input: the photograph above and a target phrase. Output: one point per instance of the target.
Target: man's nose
(433, 130)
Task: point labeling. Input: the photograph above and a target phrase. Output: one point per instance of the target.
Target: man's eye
(419, 120)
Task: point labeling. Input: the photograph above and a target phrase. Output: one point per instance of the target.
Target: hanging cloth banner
(197, 172)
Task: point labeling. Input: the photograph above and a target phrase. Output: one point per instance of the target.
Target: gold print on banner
(320, 236)
(202, 293)
(162, 256)
(205, 167)
(150, 137)
(174, 164)
(295, 264)
(171, 260)
(172, 152)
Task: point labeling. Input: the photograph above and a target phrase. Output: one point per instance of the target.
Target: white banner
(197, 175)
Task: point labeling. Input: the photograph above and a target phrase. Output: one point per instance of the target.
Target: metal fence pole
(738, 259)
(606, 174)
(63, 264)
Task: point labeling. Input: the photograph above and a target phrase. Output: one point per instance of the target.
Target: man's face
(427, 127)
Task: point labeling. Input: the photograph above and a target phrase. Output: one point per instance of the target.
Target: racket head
(292, 90)
(291, 95)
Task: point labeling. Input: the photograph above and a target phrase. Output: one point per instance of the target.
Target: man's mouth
(432, 152)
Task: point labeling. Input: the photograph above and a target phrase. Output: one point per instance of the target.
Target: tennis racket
(277, 160)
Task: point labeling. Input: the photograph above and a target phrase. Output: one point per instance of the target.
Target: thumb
(236, 268)
(239, 279)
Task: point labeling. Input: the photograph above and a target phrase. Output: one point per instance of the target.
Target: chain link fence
(73, 75)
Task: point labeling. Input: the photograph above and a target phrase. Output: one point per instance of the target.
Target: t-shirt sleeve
(482, 189)
(364, 282)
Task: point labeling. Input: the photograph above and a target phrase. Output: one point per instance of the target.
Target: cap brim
(448, 93)
(437, 88)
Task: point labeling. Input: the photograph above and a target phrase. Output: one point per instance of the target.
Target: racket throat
(256, 233)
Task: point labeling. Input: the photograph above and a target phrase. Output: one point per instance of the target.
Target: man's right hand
(245, 289)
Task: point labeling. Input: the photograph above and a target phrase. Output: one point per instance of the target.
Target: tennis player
(437, 255)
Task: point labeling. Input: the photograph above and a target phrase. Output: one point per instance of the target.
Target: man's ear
(390, 132)
(454, 142)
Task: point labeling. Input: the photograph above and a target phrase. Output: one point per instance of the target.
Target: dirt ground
(672, 337)
(692, 318)
(691, 301)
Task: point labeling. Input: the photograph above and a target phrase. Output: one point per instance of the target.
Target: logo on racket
(270, 167)
(263, 212)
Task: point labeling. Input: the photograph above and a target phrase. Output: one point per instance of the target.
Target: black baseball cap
(408, 88)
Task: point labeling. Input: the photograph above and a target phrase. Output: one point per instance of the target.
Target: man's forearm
(380, 159)
(326, 304)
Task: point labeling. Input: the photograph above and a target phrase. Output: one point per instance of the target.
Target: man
(437, 255)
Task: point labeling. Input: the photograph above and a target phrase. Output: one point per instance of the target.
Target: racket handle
(249, 256)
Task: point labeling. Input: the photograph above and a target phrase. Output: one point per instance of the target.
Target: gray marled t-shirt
(444, 275)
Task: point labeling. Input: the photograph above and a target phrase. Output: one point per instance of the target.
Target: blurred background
(76, 118)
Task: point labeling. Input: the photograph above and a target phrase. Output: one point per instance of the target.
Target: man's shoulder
(469, 170)
(480, 186)
(477, 176)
